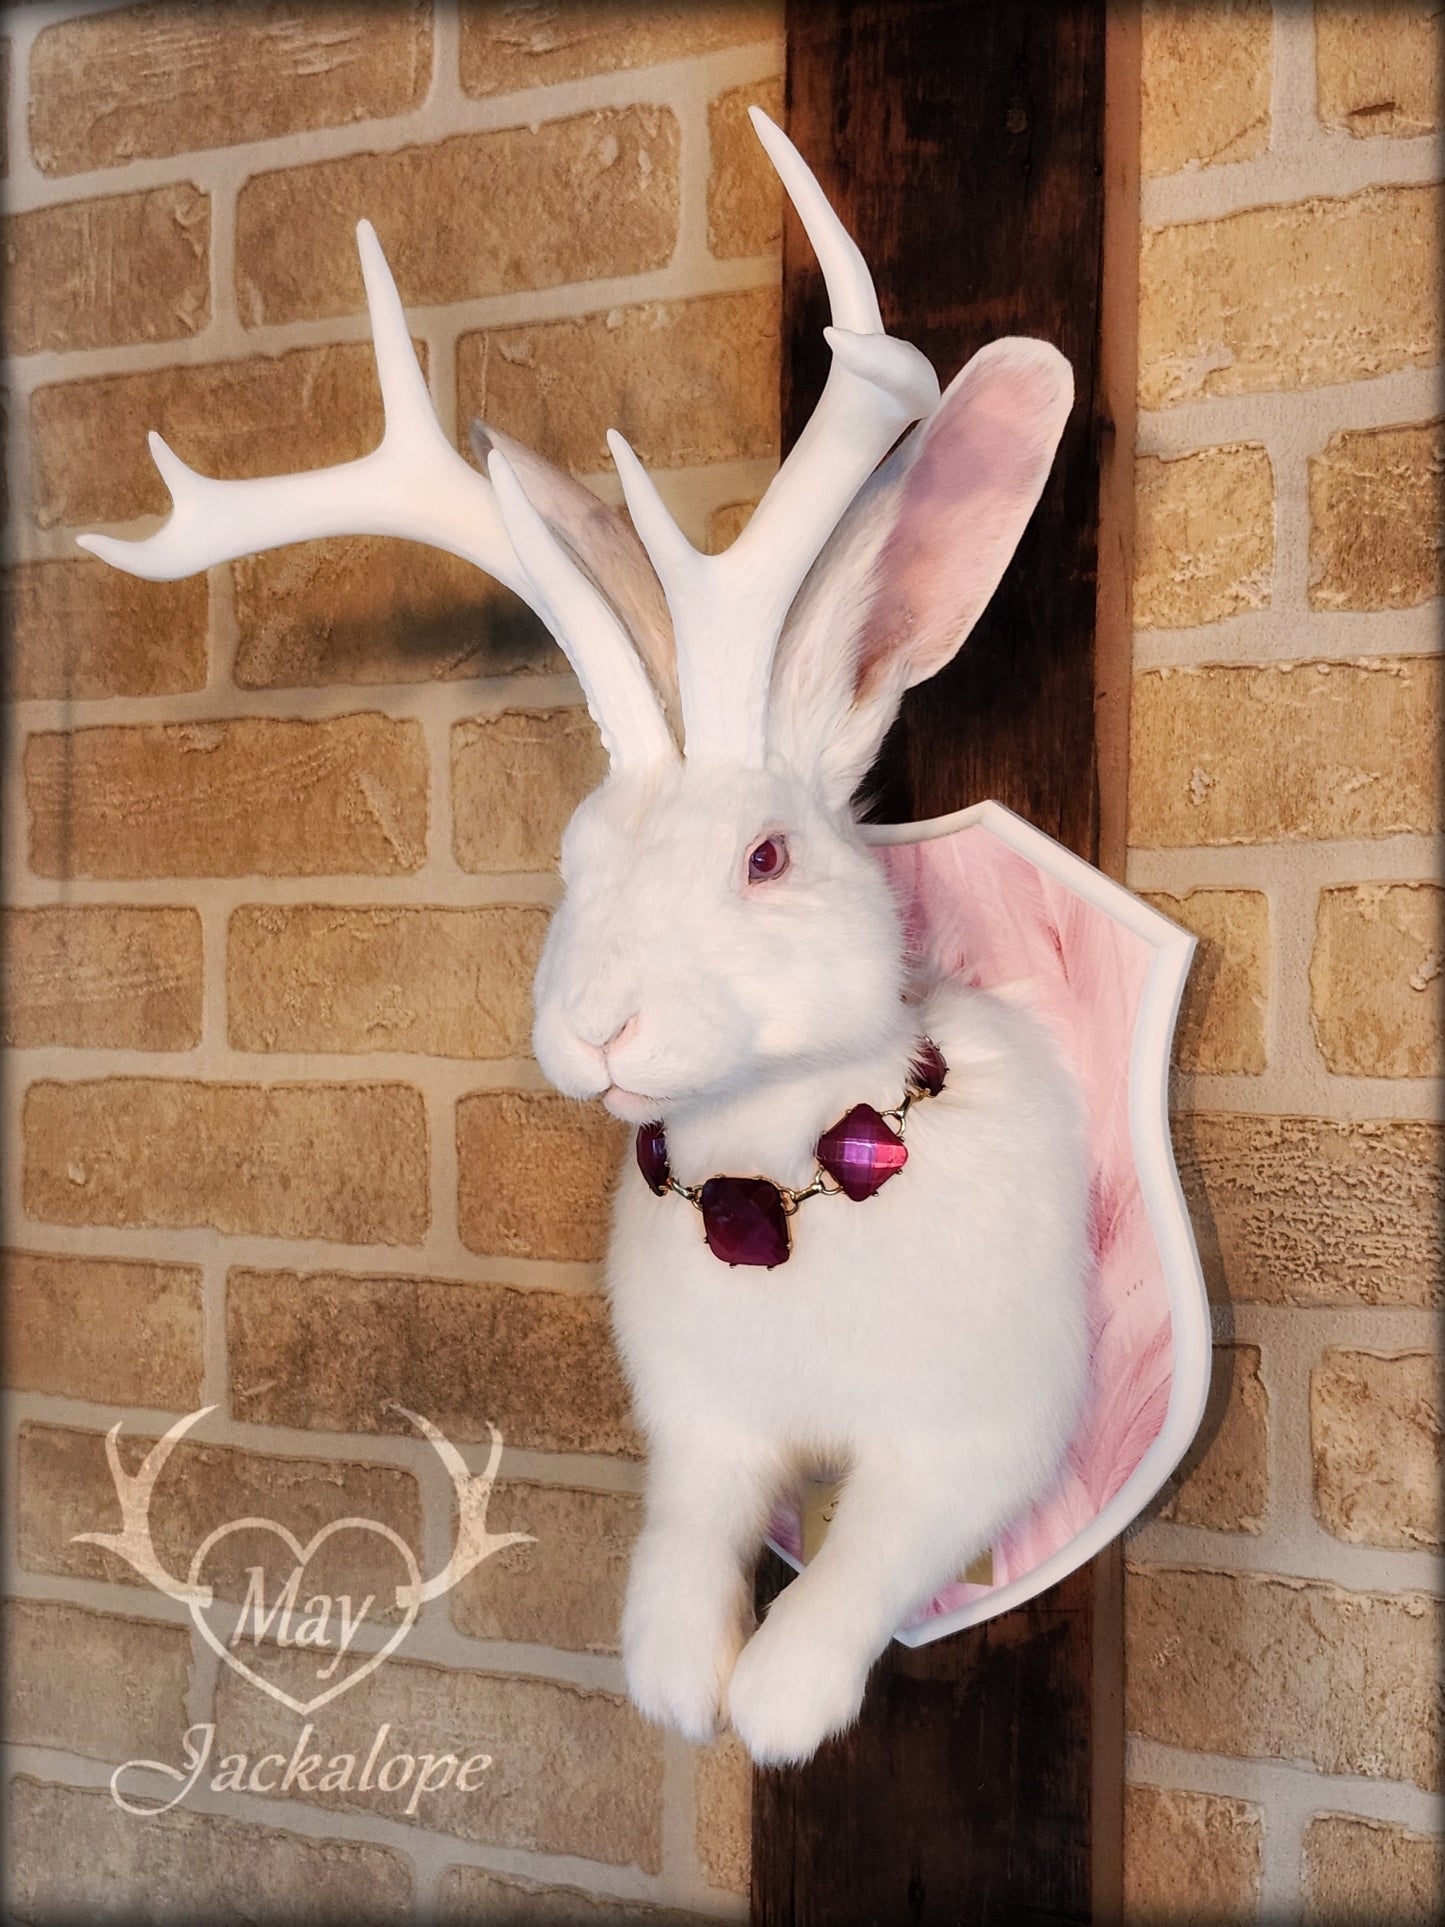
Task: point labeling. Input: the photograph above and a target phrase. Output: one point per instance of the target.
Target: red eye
(767, 859)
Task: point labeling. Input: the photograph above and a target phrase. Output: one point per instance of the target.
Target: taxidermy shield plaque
(991, 899)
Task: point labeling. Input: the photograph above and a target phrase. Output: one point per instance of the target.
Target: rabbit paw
(677, 1664)
(791, 1690)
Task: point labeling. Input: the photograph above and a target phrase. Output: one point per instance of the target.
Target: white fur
(928, 1343)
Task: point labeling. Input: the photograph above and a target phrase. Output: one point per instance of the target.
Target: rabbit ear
(913, 563)
(602, 543)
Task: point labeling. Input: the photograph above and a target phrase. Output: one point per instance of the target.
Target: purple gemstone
(861, 1152)
(928, 1071)
(744, 1221)
(652, 1156)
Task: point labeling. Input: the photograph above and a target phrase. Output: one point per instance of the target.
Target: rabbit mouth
(631, 1106)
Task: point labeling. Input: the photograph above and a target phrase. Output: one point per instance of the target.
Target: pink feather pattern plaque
(991, 899)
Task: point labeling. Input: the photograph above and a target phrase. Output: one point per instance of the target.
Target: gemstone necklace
(745, 1221)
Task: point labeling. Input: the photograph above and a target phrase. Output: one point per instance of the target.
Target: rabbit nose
(620, 1036)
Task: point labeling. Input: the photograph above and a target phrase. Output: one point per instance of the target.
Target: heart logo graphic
(200, 1597)
(474, 1543)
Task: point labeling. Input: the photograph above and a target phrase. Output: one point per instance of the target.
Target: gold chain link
(821, 1186)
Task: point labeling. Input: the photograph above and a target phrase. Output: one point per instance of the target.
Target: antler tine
(415, 485)
(728, 610)
(405, 399)
(851, 294)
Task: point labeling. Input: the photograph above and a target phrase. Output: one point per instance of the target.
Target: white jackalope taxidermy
(728, 965)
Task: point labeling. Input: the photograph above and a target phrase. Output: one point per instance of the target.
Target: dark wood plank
(963, 145)
(960, 1797)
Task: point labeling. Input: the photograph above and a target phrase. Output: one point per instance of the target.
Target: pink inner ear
(965, 501)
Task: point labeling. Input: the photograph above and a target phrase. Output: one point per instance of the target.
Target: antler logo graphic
(325, 1624)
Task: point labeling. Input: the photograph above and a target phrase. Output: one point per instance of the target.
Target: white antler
(133, 1541)
(473, 1489)
(728, 610)
(413, 484)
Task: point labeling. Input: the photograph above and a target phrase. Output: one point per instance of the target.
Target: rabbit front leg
(689, 1589)
(902, 1528)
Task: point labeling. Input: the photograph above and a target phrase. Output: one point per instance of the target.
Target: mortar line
(1293, 420)
(215, 1352)
(1406, 858)
(1273, 635)
(1266, 1781)
(1295, 1551)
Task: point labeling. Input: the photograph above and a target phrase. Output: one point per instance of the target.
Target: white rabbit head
(723, 922)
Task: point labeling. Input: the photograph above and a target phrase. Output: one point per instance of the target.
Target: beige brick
(447, 983)
(1311, 292)
(105, 975)
(1223, 1483)
(341, 1161)
(1378, 68)
(270, 415)
(535, 1174)
(573, 1771)
(1376, 979)
(724, 1813)
(1314, 1211)
(516, 779)
(1365, 1873)
(1204, 536)
(259, 796)
(1190, 1859)
(98, 274)
(1205, 76)
(142, 82)
(111, 1330)
(1376, 1444)
(65, 1487)
(565, 1588)
(1377, 502)
(709, 392)
(81, 629)
(600, 194)
(744, 194)
(468, 1894)
(726, 524)
(329, 1352)
(1222, 755)
(94, 1683)
(1285, 1669)
(516, 44)
(74, 1854)
(1222, 1025)
(4, 106)
(366, 609)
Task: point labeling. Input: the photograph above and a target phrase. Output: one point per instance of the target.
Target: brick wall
(1283, 1606)
(279, 850)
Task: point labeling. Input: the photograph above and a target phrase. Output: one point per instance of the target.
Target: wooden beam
(963, 145)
